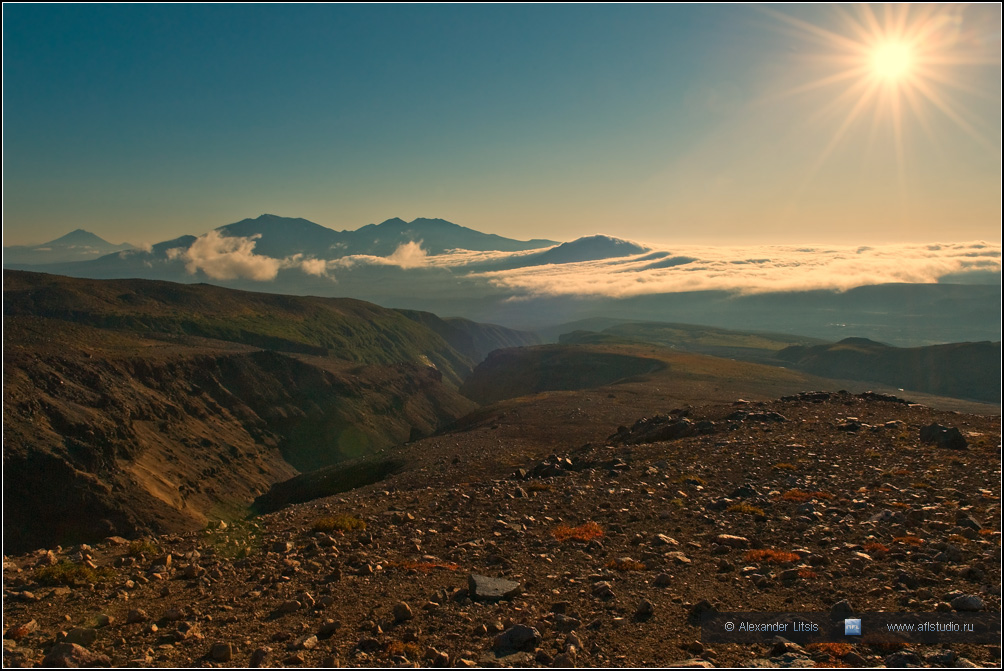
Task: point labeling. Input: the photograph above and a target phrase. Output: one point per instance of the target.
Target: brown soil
(263, 587)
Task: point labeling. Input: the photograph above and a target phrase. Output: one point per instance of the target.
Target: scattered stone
(136, 615)
(943, 436)
(328, 628)
(967, 521)
(543, 658)
(84, 636)
(603, 590)
(563, 661)
(402, 612)
(18, 632)
(288, 606)
(854, 659)
(517, 637)
(258, 656)
(47, 558)
(967, 603)
(732, 541)
(173, 615)
(71, 655)
(692, 663)
(222, 652)
(485, 588)
(645, 609)
(701, 609)
(781, 645)
(304, 643)
(841, 610)
(902, 659)
(565, 624)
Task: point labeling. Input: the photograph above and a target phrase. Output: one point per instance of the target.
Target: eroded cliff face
(95, 445)
(134, 407)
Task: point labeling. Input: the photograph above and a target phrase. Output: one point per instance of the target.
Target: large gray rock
(484, 588)
(841, 610)
(517, 637)
(84, 636)
(967, 602)
(943, 436)
(71, 655)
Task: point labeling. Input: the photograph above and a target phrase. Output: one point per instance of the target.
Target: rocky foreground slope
(609, 542)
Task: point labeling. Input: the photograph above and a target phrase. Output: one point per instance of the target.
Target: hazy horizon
(670, 125)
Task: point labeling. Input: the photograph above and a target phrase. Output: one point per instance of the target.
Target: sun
(892, 61)
(899, 64)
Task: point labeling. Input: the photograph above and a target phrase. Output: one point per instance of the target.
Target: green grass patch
(746, 509)
(238, 540)
(140, 548)
(70, 573)
(343, 523)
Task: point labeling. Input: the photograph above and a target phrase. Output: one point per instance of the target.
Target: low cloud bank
(758, 269)
(407, 255)
(750, 269)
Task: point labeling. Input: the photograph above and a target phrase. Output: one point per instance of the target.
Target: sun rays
(891, 68)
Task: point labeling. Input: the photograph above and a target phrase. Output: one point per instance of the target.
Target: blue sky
(655, 122)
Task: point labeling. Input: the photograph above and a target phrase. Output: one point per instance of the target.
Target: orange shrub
(876, 548)
(772, 556)
(909, 540)
(399, 648)
(584, 532)
(833, 649)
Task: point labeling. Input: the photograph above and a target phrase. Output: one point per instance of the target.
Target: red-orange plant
(584, 532)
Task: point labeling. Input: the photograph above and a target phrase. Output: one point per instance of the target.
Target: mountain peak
(79, 237)
(590, 248)
(393, 221)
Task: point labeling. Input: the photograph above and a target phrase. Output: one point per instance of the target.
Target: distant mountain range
(274, 236)
(78, 245)
(521, 283)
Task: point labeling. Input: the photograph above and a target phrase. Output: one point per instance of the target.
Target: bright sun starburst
(891, 62)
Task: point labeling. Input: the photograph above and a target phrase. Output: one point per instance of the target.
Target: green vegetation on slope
(340, 328)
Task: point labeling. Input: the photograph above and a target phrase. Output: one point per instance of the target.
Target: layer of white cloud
(407, 255)
(749, 270)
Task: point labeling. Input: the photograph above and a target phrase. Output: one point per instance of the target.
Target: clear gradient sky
(661, 123)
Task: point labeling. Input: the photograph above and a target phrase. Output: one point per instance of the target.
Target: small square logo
(852, 627)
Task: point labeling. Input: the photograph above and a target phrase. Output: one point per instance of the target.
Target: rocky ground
(607, 549)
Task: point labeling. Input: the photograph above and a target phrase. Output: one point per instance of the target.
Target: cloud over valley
(685, 268)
